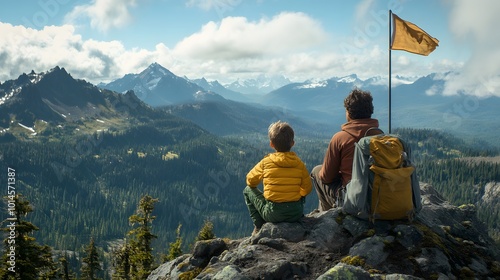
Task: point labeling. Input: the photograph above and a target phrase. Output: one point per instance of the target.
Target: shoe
(255, 230)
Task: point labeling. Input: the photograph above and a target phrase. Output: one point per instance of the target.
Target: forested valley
(85, 188)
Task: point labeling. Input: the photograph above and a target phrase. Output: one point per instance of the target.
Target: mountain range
(158, 86)
(416, 102)
(258, 86)
(222, 109)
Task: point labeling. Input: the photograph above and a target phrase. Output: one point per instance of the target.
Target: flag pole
(390, 77)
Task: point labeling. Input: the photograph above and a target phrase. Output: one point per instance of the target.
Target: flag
(409, 37)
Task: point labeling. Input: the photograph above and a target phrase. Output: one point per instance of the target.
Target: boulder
(442, 242)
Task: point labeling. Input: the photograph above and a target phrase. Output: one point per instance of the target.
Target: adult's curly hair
(359, 104)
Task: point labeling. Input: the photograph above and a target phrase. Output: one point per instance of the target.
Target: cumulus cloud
(291, 44)
(238, 38)
(24, 49)
(475, 22)
(103, 14)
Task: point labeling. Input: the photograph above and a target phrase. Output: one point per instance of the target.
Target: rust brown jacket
(340, 153)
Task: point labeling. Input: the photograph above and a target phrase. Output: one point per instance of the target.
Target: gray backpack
(382, 192)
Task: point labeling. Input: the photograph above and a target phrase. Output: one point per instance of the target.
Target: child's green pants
(262, 210)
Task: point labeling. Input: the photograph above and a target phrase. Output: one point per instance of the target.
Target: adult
(336, 170)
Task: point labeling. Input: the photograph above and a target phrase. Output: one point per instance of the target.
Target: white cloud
(103, 14)
(290, 44)
(475, 22)
(25, 49)
(237, 38)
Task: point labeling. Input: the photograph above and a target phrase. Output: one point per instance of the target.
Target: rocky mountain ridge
(55, 96)
(443, 242)
(157, 87)
(417, 102)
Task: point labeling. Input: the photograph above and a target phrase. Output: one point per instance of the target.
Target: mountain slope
(215, 86)
(233, 118)
(53, 103)
(157, 86)
(418, 104)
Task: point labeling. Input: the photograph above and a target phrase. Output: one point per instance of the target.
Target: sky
(227, 40)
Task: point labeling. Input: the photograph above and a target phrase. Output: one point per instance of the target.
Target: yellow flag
(409, 37)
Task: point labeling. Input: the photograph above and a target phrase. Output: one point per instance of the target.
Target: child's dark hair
(359, 104)
(281, 135)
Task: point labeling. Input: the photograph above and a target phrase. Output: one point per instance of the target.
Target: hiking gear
(384, 183)
(262, 210)
(339, 155)
(284, 176)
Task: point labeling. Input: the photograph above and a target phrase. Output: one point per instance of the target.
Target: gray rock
(478, 266)
(372, 249)
(345, 272)
(208, 248)
(293, 232)
(240, 254)
(273, 243)
(408, 235)
(328, 234)
(401, 277)
(164, 271)
(230, 272)
(432, 260)
(356, 227)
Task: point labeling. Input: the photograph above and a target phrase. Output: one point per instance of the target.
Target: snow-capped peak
(349, 79)
(155, 69)
(312, 84)
(35, 77)
(23, 80)
(152, 75)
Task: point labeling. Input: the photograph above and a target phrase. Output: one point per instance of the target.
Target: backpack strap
(372, 129)
(366, 133)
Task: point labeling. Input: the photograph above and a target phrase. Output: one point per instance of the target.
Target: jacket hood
(285, 159)
(358, 128)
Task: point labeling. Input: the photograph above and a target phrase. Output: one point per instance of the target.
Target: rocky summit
(443, 242)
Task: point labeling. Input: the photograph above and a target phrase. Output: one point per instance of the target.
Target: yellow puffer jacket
(284, 175)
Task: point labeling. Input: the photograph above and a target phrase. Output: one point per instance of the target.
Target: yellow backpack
(391, 189)
(384, 183)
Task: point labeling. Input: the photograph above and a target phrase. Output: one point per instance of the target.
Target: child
(285, 178)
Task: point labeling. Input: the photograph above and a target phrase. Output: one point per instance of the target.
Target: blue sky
(226, 40)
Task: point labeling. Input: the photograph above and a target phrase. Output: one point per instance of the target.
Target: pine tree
(206, 232)
(91, 265)
(121, 263)
(141, 257)
(65, 273)
(175, 248)
(23, 258)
